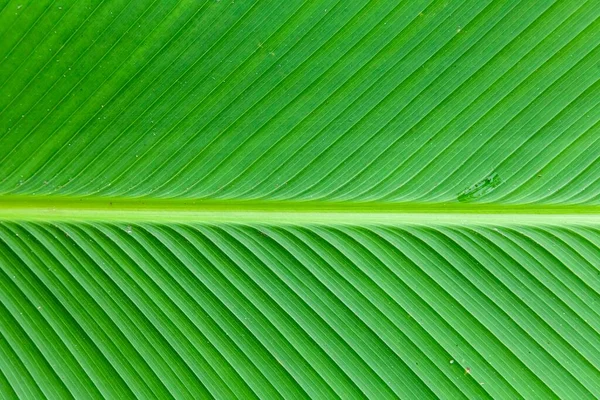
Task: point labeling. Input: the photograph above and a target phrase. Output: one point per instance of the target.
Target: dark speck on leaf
(481, 188)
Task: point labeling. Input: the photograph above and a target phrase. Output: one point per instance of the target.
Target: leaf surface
(324, 199)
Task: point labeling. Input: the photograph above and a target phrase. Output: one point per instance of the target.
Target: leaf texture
(404, 101)
(299, 199)
(268, 311)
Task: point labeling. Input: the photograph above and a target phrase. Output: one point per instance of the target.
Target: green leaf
(324, 199)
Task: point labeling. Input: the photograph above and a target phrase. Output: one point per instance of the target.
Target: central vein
(282, 212)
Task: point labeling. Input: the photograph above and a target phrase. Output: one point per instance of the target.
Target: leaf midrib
(55, 208)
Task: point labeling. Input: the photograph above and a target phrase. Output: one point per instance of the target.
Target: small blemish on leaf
(481, 188)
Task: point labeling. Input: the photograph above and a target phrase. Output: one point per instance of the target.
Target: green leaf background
(299, 199)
